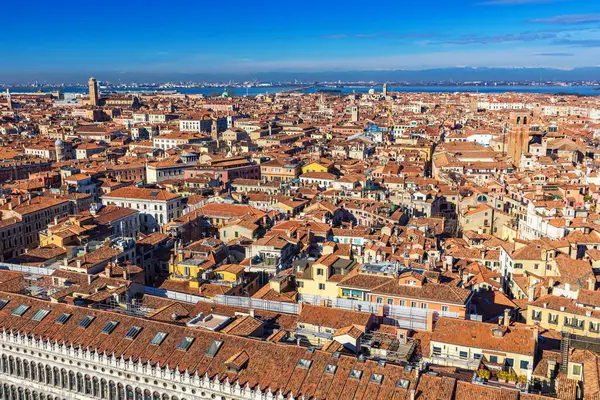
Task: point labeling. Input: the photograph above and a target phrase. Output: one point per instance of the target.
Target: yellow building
(189, 269)
(73, 232)
(322, 276)
(465, 344)
(484, 219)
(562, 314)
(201, 274)
(318, 166)
(231, 273)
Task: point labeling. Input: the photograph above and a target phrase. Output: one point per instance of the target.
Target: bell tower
(518, 135)
(9, 99)
(93, 89)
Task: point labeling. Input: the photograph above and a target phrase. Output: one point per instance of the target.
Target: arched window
(147, 395)
(121, 391)
(26, 371)
(80, 382)
(65, 378)
(129, 393)
(18, 368)
(11, 365)
(34, 371)
(156, 396)
(4, 366)
(103, 389)
(71, 380)
(48, 375)
(41, 373)
(88, 384)
(138, 394)
(95, 387)
(56, 373)
(112, 390)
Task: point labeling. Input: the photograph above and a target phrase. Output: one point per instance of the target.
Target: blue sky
(261, 36)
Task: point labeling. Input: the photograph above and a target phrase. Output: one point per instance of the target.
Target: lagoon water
(347, 89)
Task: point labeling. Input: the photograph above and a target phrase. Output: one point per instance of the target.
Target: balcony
(442, 359)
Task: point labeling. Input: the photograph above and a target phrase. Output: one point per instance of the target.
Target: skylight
(376, 378)
(214, 348)
(3, 303)
(109, 327)
(185, 343)
(330, 369)
(355, 373)
(63, 318)
(20, 310)
(304, 363)
(40, 315)
(132, 332)
(84, 323)
(403, 383)
(158, 338)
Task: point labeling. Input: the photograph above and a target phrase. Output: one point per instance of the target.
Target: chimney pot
(507, 317)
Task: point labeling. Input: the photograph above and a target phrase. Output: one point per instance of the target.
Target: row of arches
(12, 392)
(78, 382)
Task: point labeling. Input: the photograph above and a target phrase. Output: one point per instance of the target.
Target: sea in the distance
(346, 89)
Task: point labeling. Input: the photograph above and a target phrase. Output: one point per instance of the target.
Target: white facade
(42, 370)
(153, 213)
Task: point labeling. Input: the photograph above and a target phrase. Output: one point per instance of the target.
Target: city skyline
(208, 38)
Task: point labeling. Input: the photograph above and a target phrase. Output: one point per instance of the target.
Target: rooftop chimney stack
(507, 317)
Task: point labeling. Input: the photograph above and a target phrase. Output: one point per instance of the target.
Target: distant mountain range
(426, 76)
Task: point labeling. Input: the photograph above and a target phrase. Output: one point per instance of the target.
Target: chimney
(90, 278)
(412, 394)
(107, 270)
(78, 263)
(507, 317)
(65, 261)
(252, 314)
(591, 283)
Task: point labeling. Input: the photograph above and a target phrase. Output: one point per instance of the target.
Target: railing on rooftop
(235, 301)
(27, 269)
